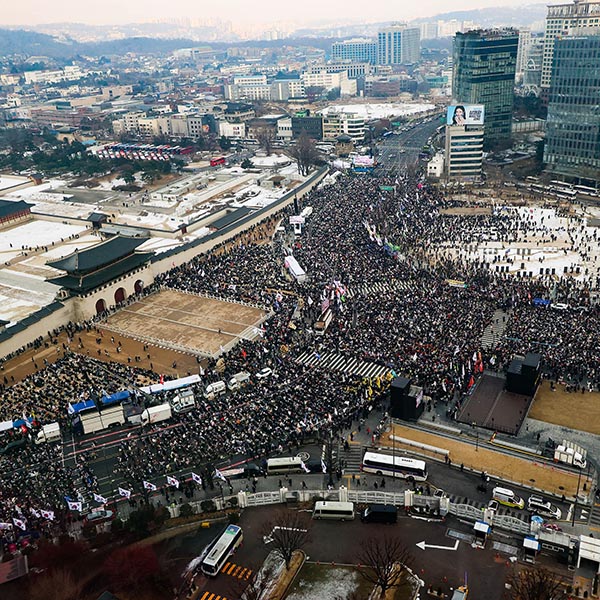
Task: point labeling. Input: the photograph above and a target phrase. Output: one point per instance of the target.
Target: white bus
(396, 466)
(342, 511)
(320, 326)
(221, 549)
(286, 465)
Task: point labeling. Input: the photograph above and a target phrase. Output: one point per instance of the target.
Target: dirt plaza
(187, 322)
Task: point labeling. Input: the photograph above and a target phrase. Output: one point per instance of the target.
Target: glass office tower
(573, 125)
(484, 73)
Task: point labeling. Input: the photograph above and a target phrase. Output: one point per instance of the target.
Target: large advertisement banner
(465, 114)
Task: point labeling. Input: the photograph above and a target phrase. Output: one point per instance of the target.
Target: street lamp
(576, 497)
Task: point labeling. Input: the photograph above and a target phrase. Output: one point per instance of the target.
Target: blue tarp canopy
(115, 398)
(74, 409)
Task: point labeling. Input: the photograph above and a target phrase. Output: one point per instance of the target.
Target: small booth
(531, 547)
(482, 530)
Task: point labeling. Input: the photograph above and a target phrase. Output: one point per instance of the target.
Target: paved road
(402, 149)
(333, 541)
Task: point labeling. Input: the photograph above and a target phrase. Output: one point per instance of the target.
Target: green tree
(225, 143)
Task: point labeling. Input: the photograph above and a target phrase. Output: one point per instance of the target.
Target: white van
(540, 506)
(508, 498)
(342, 511)
(215, 389)
(286, 465)
(238, 380)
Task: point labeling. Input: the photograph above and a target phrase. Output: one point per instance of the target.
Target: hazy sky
(30, 12)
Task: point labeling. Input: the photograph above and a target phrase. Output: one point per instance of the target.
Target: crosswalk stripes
(352, 459)
(494, 332)
(236, 571)
(378, 287)
(595, 516)
(212, 596)
(339, 362)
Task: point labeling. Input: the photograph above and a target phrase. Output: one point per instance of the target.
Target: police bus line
(395, 466)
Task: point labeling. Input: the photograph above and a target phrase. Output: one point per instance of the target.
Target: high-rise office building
(355, 50)
(532, 68)
(524, 43)
(464, 153)
(565, 19)
(398, 45)
(573, 125)
(484, 73)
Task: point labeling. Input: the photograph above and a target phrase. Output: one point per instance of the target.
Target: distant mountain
(29, 43)
(521, 16)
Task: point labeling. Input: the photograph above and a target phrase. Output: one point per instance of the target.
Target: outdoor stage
(492, 407)
(188, 323)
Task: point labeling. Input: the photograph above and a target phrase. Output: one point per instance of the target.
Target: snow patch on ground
(340, 583)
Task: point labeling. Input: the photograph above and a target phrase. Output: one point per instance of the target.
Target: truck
(571, 454)
(94, 421)
(238, 380)
(49, 433)
(183, 402)
(156, 414)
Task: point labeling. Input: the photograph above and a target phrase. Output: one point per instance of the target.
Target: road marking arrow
(423, 545)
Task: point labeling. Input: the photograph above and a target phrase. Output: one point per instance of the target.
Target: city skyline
(268, 12)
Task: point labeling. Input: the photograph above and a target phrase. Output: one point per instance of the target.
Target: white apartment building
(232, 130)
(566, 19)
(330, 81)
(284, 129)
(261, 91)
(251, 80)
(284, 89)
(336, 124)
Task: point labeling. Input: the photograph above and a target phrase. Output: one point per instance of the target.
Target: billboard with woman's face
(465, 114)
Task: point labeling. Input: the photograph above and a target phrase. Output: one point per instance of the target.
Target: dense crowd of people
(380, 260)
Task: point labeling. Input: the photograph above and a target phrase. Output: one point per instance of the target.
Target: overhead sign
(465, 114)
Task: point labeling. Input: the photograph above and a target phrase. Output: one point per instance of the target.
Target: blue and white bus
(395, 466)
(221, 549)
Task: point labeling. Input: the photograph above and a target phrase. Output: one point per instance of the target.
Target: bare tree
(304, 152)
(534, 584)
(289, 530)
(385, 562)
(265, 137)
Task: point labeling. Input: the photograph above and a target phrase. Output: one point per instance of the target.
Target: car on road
(264, 373)
(98, 516)
(542, 507)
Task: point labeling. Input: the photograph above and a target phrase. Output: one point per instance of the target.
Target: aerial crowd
(378, 260)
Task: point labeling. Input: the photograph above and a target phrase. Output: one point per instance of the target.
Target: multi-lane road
(401, 149)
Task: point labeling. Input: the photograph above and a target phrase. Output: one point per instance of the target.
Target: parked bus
(342, 511)
(218, 160)
(396, 466)
(286, 465)
(221, 549)
(586, 192)
(321, 325)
